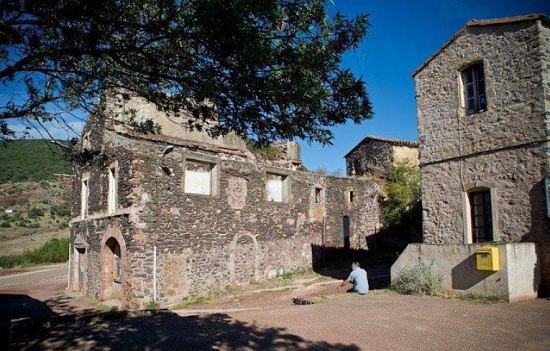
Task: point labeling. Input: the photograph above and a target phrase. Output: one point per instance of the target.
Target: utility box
(487, 259)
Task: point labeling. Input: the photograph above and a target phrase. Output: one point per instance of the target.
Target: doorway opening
(346, 229)
(112, 270)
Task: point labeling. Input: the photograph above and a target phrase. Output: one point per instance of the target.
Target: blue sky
(401, 36)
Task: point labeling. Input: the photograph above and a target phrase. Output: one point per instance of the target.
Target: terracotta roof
(481, 23)
(397, 142)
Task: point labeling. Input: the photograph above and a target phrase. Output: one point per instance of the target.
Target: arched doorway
(345, 228)
(112, 269)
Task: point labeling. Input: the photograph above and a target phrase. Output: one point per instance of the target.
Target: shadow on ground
(163, 330)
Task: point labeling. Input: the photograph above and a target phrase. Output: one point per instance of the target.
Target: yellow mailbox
(487, 259)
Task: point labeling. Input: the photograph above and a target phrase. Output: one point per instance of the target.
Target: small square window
(276, 187)
(199, 177)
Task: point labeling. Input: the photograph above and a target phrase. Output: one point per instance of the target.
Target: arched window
(473, 88)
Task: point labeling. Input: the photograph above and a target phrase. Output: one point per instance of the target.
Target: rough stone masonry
(161, 216)
(502, 149)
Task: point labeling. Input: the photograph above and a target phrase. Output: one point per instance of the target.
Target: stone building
(164, 215)
(483, 103)
(372, 156)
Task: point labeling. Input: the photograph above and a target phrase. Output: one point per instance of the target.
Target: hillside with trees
(32, 160)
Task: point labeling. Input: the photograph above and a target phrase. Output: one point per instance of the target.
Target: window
(318, 192)
(112, 200)
(356, 170)
(199, 177)
(276, 187)
(84, 192)
(473, 86)
(346, 223)
(351, 196)
(482, 223)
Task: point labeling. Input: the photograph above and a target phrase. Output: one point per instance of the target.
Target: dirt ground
(266, 319)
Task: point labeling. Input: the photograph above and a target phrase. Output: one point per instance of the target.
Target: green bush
(53, 251)
(417, 280)
(63, 210)
(34, 225)
(402, 192)
(5, 225)
(64, 225)
(35, 213)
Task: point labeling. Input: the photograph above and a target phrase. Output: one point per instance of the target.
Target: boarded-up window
(84, 192)
(113, 185)
(276, 187)
(198, 177)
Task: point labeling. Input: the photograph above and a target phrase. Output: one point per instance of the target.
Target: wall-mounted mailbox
(487, 259)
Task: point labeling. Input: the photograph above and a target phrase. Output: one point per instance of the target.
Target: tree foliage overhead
(265, 69)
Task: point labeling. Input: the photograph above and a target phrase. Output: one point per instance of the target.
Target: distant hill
(32, 160)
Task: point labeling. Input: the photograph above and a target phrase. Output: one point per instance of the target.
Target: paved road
(53, 274)
(34, 293)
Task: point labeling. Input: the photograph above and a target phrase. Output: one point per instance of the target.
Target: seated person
(357, 277)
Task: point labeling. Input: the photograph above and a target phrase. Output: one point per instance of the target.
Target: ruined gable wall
(515, 116)
(371, 158)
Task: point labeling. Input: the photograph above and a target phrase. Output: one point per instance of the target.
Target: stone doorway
(112, 270)
(81, 269)
(79, 265)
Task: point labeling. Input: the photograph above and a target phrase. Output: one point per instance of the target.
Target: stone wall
(503, 148)
(208, 242)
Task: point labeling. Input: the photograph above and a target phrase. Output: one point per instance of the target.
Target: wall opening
(481, 216)
(276, 187)
(346, 229)
(318, 195)
(112, 201)
(84, 193)
(112, 269)
(199, 177)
